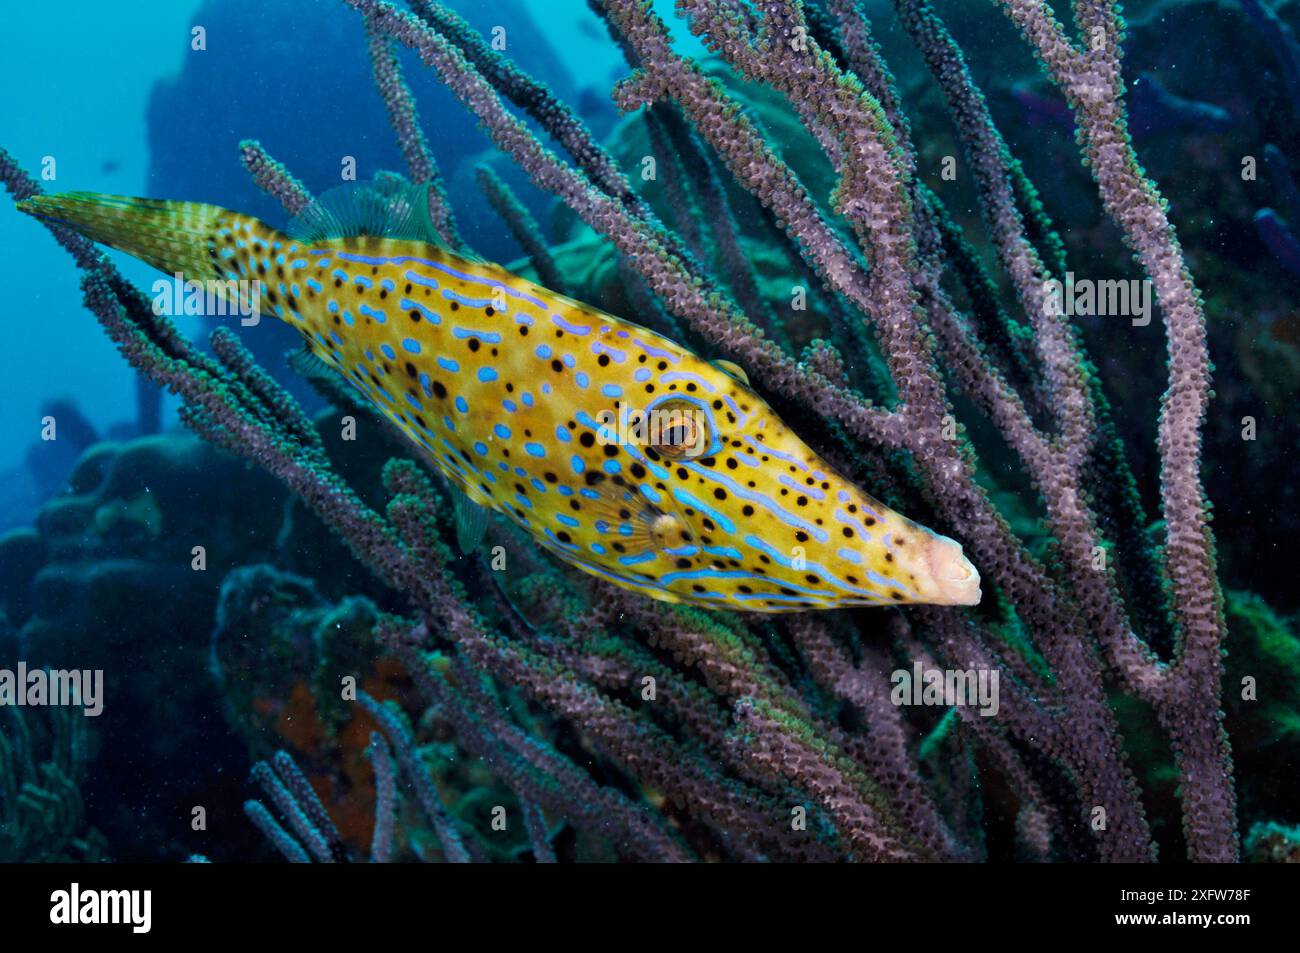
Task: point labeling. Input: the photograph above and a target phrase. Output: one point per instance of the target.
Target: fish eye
(677, 439)
(679, 430)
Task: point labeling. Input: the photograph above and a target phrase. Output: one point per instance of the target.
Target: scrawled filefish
(620, 451)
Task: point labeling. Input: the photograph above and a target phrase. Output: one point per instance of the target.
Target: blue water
(58, 104)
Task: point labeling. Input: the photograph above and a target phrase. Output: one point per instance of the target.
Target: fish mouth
(956, 580)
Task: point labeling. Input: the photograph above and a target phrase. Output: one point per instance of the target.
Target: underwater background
(504, 715)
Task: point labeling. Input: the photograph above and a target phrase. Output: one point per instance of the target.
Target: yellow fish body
(617, 449)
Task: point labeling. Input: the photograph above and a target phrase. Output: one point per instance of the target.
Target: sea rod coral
(723, 735)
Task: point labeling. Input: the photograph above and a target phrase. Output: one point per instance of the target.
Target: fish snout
(956, 580)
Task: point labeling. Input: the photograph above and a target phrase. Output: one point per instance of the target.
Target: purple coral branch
(1187, 696)
(398, 732)
(273, 178)
(403, 115)
(275, 833)
(538, 835)
(298, 804)
(380, 756)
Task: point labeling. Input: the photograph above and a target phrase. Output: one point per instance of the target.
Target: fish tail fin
(184, 237)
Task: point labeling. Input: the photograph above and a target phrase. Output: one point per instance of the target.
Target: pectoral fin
(471, 521)
(311, 365)
(735, 370)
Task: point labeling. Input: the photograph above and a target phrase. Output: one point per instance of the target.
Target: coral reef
(660, 733)
(43, 762)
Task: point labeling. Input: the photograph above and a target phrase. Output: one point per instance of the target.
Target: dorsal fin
(387, 207)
